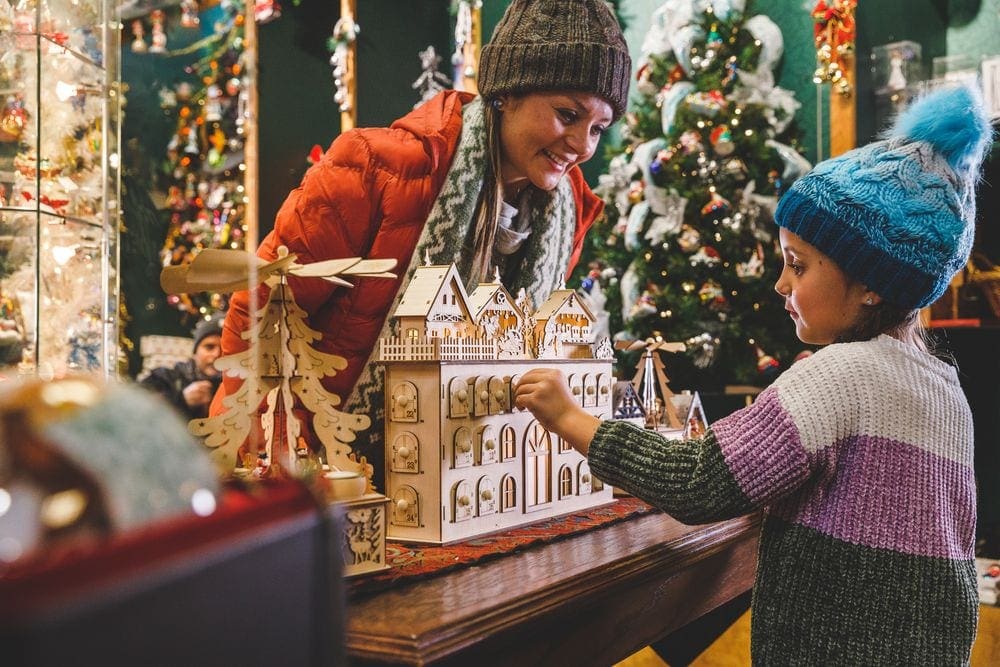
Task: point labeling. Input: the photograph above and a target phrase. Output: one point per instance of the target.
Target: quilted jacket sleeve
(333, 213)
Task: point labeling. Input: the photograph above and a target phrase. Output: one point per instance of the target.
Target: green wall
(296, 108)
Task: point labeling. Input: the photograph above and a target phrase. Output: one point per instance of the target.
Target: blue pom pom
(953, 121)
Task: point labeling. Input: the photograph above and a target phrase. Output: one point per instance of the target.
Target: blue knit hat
(898, 215)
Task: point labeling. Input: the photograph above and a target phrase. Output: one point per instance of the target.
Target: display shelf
(59, 186)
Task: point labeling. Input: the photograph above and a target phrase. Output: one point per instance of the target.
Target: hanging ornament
(768, 367)
(735, 167)
(159, 36)
(216, 154)
(691, 142)
(689, 239)
(345, 34)
(753, 268)
(706, 255)
(714, 39)
(635, 190)
(732, 70)
(189, 14)
(708, 103)
(722, 140)
(644, 306)
(138, 34)
(703, 349)
(191, 147)
(716, 206)
(265, 11)
(668, 222)
(12, 119)
(710, 294)
(834, 33)
(774, 178)
(643, 80)
(676, 74)
(464, 60)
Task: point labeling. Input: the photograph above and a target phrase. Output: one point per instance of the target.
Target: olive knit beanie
(898, 215)
(557, 44)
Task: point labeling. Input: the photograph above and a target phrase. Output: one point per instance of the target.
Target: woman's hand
(545, 392)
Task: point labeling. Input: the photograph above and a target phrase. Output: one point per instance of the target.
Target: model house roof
(485, 294)
(559, 300)
(425, 289)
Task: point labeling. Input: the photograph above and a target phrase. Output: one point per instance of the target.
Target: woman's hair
(886, 318)
(490, 195)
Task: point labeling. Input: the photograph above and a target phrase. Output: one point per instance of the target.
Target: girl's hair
(887, 318)
(490, 195)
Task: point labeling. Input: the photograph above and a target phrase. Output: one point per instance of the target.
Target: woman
(490, 183)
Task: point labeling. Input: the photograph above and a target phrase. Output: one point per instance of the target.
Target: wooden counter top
(590, 599)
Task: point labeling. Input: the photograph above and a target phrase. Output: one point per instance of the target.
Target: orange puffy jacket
(369, 196)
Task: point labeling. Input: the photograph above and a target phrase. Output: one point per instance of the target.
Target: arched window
(508, 443)
(565, 482)
(508, 499)
(537, 467)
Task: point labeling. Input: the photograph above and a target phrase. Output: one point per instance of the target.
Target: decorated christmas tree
(688, 250)
(202, 172)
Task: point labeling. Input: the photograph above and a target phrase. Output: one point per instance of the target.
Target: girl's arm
(744, 461)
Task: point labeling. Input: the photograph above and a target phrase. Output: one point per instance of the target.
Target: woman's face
(822, 301)
(542, 135)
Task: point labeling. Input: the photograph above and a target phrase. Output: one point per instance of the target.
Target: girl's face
(542, 135)
(822, 301)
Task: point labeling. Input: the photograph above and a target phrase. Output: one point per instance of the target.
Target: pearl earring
(868, 301)
(498, 105)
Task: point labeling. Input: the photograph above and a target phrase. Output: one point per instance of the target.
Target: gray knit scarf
(544, 262)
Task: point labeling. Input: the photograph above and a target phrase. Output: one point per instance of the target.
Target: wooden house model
(627, 406)
(461, 461)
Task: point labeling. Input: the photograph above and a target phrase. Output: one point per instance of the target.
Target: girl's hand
(545, 392)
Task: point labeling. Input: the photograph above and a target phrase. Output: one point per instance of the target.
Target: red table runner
(409, 562)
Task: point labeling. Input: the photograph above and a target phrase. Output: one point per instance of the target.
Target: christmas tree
(688, 250)
(202, 173)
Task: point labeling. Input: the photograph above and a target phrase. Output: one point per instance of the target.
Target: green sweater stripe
(821, 601)
(688, 479)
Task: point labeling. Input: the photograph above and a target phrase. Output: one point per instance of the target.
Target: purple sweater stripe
(890, 495)
(762, 472)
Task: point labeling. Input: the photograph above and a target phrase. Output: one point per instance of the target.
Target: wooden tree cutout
(280, 368)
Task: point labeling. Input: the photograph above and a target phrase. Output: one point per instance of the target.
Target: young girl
(860, 455)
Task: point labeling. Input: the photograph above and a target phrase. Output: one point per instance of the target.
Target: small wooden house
(564, 327)
(434, 305)
(461, 461)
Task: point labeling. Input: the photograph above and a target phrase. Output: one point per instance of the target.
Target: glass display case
(59, 186)
(898, 76)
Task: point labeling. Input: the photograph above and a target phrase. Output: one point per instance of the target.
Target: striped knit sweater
(861, 456)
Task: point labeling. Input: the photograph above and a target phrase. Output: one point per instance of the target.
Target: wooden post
(843, 112)
(348, 107)
(251, 143)
(466, 78)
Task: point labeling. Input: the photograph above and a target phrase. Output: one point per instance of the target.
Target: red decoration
(767, 365)
(315, 154)
(834, 33)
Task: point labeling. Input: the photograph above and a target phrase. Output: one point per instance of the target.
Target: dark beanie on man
(211, 326)
(557, 44)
